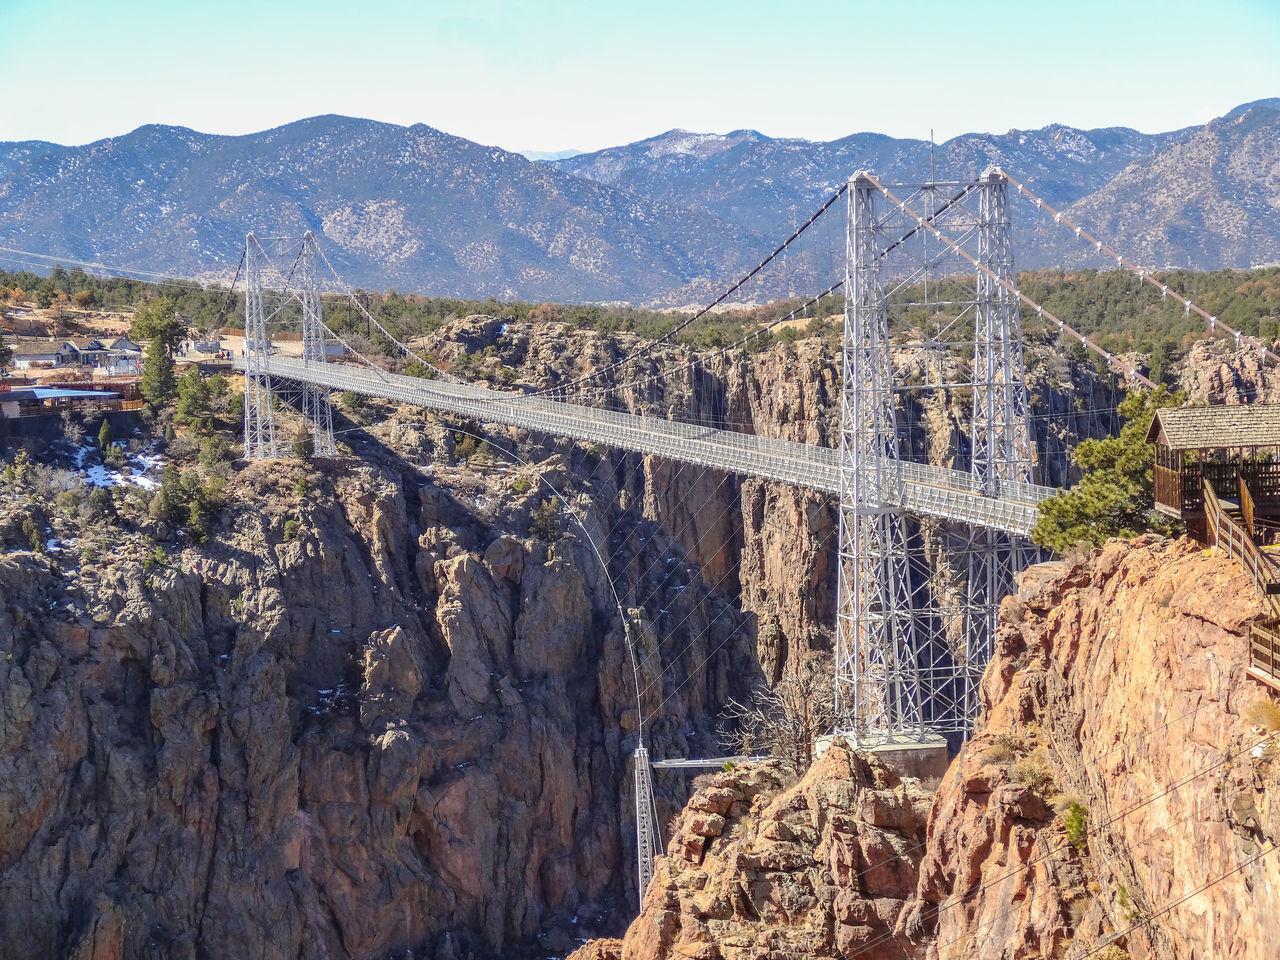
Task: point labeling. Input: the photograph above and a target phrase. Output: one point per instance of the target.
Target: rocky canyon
(387, 708)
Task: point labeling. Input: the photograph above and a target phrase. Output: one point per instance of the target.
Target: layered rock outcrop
(401, 726)
(756, 868)
(1113, 803)
(1118, 685)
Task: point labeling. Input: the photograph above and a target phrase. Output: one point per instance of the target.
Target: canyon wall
(381, 710)
(1114, 799)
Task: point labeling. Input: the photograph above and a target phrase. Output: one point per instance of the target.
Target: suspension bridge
(906, 670)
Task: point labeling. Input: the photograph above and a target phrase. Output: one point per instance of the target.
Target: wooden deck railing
(1246, 505)
(1168, 488)
(1264, 652)
(1264, 638)
(1224, 532)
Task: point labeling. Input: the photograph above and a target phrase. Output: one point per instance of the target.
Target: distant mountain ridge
(665, 219)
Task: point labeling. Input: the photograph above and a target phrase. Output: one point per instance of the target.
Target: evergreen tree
(6, 352)
(303, 443)
(158, 384)
(157, 322)
(193, 397)
(1156, 365)
(1116, 495)
(104, 434)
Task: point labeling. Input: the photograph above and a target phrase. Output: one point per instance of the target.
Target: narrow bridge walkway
(923, 490)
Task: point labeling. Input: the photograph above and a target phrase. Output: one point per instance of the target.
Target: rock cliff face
(407, 727)
(1120, 683)
(404, 728)
(771, 546)
(755, 868)
(1113, 800)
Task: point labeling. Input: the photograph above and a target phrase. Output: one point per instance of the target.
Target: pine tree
(1116, 495)
(193, 397)
(157, 322)
(158, 383)
(104, 434)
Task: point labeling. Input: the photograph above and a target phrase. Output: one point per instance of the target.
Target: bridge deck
(923, 489)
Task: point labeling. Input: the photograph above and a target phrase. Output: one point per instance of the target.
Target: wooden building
(1218, 469)
(1234, 450)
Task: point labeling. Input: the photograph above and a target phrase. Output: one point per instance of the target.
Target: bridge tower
(315, 399)
(646, 824)
(1001, 443)
(259, 411)
(909, 660)
(877, 686)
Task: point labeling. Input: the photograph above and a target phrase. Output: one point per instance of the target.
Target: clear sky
(545, 75)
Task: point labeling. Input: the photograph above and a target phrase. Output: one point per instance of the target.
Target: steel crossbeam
(920, 488)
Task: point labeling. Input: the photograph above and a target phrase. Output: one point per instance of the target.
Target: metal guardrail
(919, 488)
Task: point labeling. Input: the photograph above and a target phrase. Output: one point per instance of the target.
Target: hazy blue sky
(549, 75)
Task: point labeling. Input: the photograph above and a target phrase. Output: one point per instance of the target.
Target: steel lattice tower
(1001, 444)
(646, 825)
(908, 660)
(877, 687)
(315, 399)
(259, 414)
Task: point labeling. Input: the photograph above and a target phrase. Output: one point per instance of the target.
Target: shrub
(1265, 714)
(303, 443)
(67, 503)
(1003, 749)
(544, 522)
(1077, 910)
(290, 529)
(214, 451)
(1076, 824)
(465, 446)
(302, 487)
(101, 503)
(31, 530)
(521, 485)
(1033, 770)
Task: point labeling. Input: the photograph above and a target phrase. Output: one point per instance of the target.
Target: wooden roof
(1209, 428)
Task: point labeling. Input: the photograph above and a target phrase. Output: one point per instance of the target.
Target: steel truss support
(315, 398)
(1001, 443)
(646, 824)
(259, 412)
(877, 684)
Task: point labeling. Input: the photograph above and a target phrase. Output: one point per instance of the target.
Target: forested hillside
(663, 222)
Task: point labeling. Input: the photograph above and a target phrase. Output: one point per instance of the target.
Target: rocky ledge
(1118, 800)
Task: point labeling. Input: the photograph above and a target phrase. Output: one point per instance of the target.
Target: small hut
(1234, 450)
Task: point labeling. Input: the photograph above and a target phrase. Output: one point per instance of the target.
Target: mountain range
(667, 219)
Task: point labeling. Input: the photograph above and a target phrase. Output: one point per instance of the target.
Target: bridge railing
(920, 488)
